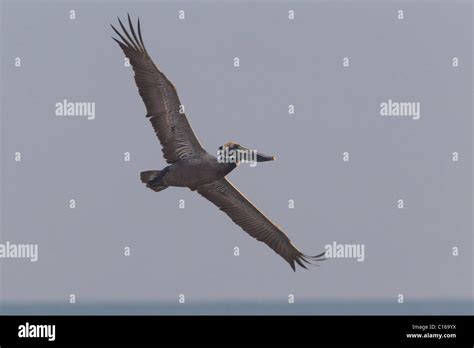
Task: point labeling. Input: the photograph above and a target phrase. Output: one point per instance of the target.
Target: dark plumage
(189, 164)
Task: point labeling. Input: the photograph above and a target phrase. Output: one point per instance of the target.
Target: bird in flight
(189, 164)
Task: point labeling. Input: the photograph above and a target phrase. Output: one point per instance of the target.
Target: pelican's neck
(226, 168)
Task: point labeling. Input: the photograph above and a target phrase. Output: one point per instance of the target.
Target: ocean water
(244, 308)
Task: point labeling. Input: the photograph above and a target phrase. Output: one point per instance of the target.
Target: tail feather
(148, 177)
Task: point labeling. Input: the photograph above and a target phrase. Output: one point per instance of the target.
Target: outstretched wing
(229, 199)
(161, 100)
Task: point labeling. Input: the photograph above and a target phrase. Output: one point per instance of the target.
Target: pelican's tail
(152, 179)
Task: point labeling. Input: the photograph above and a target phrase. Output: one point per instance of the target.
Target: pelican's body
(191, 172)
(189, 164)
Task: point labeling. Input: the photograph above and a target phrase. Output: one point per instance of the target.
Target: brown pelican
(189, 164)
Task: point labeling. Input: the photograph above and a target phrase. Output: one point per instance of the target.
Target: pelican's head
(236, 153)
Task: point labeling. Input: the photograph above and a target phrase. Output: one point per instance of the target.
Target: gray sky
(282, 62)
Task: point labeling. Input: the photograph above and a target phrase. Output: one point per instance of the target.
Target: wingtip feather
(301, 259)
(132, 42)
